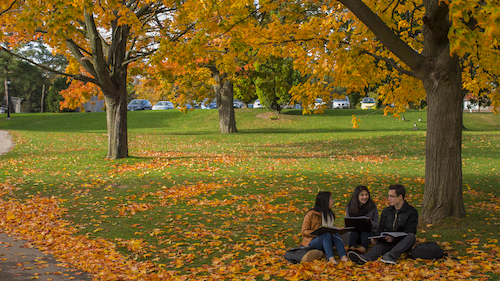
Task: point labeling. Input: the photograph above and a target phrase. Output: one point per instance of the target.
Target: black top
(402, 220)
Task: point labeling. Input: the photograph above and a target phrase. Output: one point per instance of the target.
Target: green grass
(256, 184)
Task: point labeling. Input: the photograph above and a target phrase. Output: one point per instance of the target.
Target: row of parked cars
(143, 104)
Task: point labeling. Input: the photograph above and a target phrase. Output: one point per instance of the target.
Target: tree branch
(76, 77)
(390, 40)
(236, 23)
(391, 63)
(8, 8)
(98, 58)
(138, 57)
(191, 26)
(84, 61)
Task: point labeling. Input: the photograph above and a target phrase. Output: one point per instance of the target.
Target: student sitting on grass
(362, 205)
(320, 215)
(398, 217)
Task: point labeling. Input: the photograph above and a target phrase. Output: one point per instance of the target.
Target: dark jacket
(404, 220)
(372, 214)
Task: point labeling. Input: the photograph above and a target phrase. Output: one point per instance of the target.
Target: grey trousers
(393, 249)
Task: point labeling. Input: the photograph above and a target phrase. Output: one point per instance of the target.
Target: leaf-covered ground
(191, 204)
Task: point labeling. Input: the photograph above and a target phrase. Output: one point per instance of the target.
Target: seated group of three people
(398, 217)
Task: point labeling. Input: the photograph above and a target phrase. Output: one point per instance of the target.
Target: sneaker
(312, 255)
(357, 258)
(387, 259)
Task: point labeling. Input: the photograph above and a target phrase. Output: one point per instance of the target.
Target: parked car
(2, 111)
(341, 103)
(139, 105)
(368, 103)
(163, 105)
(238, 104)
(293, 106)
(319, 103)
(257, 104)
(207, 104)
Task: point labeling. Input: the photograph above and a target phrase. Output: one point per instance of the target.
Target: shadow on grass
(86, 122)
(290, 131)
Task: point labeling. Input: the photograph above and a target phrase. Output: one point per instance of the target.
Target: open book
(360, 224)
(331, 229)
(385, 234)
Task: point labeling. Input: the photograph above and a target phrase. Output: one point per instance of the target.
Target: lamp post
(8, 98)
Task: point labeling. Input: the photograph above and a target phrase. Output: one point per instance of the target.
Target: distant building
(475, 107)
(16, 104)
(94, 105)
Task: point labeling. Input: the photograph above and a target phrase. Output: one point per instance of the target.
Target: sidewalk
(20, 262)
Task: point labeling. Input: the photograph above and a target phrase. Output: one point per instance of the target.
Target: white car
(368, 103)
(208, 104)
(319, 103)
(163, 105)
(2, 111)
(341, 103)
(257, 104)
(238, 104)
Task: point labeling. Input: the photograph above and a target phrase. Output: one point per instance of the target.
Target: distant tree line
(32, 83)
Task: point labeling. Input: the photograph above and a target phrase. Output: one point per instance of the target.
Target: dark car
(139, 105)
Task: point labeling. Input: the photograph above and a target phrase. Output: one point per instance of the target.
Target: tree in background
(244, 86)
(54, 98)
(101, 40)
(26, 81)
(275, 77)
(211, 56)
(37, 51)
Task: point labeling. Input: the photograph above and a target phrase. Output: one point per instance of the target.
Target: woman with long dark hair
(322, 214)
(362, 205)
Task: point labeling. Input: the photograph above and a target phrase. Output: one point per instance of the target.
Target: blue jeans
(361, 237)
(325, 243)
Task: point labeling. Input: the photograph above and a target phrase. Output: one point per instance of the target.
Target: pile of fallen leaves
(40, 220)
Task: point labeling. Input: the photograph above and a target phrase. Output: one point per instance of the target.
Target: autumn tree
(415, 50)
(215, 52)
(101, 40)
(275, 78)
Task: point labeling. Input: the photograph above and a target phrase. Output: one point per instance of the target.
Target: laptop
(360, 224)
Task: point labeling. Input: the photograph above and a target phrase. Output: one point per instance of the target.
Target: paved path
(19, 261)
(6, 143)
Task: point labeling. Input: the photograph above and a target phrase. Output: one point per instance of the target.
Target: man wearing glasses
(396, 232)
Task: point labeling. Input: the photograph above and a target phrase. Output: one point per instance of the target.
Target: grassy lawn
(190, 203)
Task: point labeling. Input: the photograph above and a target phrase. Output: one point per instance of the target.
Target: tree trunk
(227, 120)
(443, 149)
(442, 80)
(43, 97)
(275, 105)
(224, 96)
(116, 115)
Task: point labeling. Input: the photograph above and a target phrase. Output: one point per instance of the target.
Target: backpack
(295, 255)
(427, 251)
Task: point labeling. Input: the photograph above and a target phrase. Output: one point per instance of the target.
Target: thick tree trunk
(227, 120)
(442, 80)
(443, 166)
(116, 114)
(224, 95)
